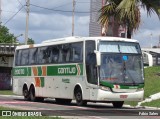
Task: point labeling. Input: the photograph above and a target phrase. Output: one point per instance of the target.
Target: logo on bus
(67, 70)
(19, 71)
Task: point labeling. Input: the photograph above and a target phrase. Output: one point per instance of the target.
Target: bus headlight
(105, 88)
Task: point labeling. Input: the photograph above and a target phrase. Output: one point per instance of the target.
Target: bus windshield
(121, 63)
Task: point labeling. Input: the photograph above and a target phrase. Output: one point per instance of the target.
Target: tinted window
(119, 47)
(76, 52)
(33, 55)
(65, 52)
(44, 55)
(18, 58)
(54, 54)
(24, 57)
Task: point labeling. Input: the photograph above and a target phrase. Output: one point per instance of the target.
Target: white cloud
(149, 25)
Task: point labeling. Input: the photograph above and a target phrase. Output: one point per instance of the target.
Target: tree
(127, 12)
(30, 41)
(5, 36)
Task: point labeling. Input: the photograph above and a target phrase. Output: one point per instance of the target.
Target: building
(95, 29)
(6, 62)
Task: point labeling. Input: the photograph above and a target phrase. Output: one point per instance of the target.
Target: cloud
(149, 31)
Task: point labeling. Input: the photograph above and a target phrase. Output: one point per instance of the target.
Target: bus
(85, 69)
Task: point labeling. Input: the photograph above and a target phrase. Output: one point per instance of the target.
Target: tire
(33, 98)
(118, 104)
(79, 98)
(26, 94)
(32, 94)
(63, 101)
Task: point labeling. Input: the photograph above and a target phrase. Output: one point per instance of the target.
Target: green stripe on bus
(104, 83)
(39, 71)
(62, 70)
(42, 81)
(29, 71)
(65, 70)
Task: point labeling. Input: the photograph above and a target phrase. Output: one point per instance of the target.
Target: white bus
(87, 69)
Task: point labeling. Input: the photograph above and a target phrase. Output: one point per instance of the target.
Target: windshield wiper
(124, 75)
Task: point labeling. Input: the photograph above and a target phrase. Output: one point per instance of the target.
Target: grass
(6, 92)
(152, 85)
(154, 103)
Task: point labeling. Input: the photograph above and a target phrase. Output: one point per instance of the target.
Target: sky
(47, 24)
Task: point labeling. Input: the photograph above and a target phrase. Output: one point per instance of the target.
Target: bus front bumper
(103, 95)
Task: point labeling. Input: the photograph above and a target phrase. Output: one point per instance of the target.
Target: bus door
(91, 69)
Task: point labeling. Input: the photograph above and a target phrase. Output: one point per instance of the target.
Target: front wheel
(118, 104)
(79, 98)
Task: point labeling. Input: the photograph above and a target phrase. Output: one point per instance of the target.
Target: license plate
(123, 96)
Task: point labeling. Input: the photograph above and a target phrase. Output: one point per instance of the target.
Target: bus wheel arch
(78, 94)
(25, 92)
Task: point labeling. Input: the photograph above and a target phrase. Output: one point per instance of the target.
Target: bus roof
(75, 39)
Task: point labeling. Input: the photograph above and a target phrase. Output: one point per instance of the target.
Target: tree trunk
(129, 33)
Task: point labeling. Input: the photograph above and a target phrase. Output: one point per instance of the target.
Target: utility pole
(74, 3)
(27, 21)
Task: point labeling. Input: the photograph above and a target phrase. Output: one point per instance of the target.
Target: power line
(56, 10)
(63, 5)
(55, 7)
(13, 15)
(21, 3)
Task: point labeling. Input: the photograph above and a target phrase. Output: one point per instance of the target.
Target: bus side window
(18, 58)
(76, 52)
(54, 54)
(24, 57)
(65, 53)
(42, 55)
(33, 56)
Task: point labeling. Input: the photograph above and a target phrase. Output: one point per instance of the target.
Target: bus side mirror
(98, 57)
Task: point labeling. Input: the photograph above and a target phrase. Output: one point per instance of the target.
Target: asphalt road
(91, 111)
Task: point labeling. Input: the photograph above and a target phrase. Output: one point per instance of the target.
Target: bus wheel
(117, 104)
(79, 98)
(26, 94)
(63, 101)
(32, 94)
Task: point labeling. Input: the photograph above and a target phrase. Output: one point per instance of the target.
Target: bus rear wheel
(79, 98)
(117, 104)
(26, 94)
(33, 97)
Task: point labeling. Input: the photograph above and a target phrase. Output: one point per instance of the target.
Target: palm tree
(127, 12)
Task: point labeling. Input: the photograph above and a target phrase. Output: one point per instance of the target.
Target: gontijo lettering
(67, 70)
